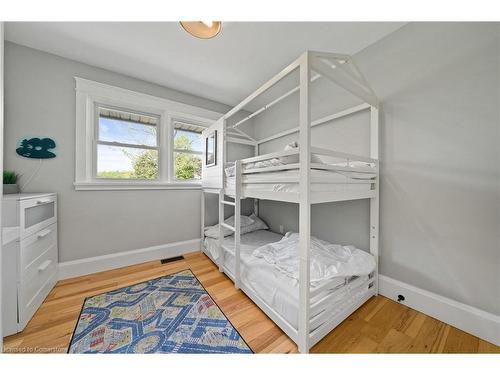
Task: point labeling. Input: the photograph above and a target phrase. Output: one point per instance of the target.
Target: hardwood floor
(379, 326)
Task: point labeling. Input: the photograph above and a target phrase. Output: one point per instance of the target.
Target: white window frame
(98, 142)
(90, 94)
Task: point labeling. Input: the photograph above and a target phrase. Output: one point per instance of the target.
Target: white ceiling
(225, 69)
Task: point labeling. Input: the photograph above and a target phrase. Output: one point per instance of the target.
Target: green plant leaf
(9, 177)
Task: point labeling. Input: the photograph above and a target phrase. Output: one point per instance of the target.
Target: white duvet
(291, 159)
(275, 288)
(327, 260)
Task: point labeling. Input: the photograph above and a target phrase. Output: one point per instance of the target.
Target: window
(127, 144)
(188, 151)
(131, 140)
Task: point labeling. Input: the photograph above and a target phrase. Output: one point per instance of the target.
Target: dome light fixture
(202, 29)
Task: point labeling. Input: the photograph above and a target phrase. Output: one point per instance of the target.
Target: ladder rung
(229, 203)
(229, 227)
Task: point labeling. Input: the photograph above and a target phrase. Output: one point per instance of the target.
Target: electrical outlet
(282, 230)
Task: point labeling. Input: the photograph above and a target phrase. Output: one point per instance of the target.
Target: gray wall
(440, 147)
(40, 100)
(440, 180)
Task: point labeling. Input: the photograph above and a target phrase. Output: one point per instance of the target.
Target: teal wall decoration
(37, 148)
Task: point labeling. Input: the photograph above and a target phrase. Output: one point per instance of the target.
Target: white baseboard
(101, 263)
(467, 318)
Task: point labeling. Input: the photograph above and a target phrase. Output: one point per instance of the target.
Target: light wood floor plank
(394, 342)
(380, 325)
(459, 341)
(427, 339)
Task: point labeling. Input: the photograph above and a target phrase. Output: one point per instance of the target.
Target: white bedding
(230, 171)
(327, 260)
(315, 159)
(277, 289)
(337, 182)
(330, 180)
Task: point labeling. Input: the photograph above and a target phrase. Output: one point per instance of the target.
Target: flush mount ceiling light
(202, 29)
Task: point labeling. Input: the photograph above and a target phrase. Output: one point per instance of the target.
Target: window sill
(120, 185)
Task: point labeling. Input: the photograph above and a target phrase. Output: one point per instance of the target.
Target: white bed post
(304, 202)
(221, 232)
(256, 201)
(202, 224)
(224, 149)
(237, 218)
(375, 202)
(222, 158)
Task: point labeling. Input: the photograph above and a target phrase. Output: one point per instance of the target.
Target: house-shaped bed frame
(342, 70)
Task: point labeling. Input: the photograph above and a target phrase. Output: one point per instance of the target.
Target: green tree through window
(187, 166)
(145, 165)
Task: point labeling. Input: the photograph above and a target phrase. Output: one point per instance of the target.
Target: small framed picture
(211, 150)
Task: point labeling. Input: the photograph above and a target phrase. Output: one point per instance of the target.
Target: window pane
(127, 127)
(187, 140)
(187, 166)
(126, 162)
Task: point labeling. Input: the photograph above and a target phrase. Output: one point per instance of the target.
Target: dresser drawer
(30, 270)
(10, 261)
(26, 311)
(37, 275)
(36, 214)
(35, 245)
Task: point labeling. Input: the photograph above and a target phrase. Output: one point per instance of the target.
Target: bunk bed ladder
(221, 232)
(237, 224)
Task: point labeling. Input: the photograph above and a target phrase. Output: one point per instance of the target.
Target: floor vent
(173, 259)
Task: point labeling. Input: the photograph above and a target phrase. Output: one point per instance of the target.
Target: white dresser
(29, 256)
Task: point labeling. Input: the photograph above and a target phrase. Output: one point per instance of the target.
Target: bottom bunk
(277, 294)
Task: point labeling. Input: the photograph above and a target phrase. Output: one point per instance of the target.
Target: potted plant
(10, 182)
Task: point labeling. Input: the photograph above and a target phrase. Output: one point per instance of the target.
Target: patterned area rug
(171, 314)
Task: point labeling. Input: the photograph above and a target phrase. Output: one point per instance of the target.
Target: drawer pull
(43, 233)
(43, 201)
(44, 265)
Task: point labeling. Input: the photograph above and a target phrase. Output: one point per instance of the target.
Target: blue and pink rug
(171, 314)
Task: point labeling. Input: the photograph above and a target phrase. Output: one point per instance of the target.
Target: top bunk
(320, 167)
(333, 176)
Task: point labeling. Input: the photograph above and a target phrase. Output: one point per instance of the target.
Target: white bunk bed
(304, 175)
(329, 182)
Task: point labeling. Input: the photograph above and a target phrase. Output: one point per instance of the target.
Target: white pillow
(258, 224)
(292, 159)
(248, 224)
(213, 231)
(230, 171)
(244, 221)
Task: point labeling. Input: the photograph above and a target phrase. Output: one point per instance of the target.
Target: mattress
(273, 287)
(328, 181)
